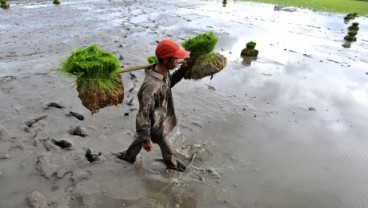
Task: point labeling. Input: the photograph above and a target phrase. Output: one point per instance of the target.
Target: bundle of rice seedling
(152, 59)
(249, 49)
(4, 4)
(98, 78)
(204, 62)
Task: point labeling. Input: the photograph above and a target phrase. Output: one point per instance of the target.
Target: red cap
(168, 48)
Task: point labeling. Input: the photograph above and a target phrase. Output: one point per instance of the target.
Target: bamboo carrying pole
(134, 68)
(143, 66)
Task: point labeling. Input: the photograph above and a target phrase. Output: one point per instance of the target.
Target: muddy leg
(169, 157)
(131, 153)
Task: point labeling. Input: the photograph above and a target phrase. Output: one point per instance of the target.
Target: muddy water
(285, 130)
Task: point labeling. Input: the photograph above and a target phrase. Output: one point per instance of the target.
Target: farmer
(156, 115)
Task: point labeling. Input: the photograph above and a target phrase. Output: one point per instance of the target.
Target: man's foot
(177, 165)
(123, 156)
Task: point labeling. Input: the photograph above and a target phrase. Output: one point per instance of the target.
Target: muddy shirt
(156, 115)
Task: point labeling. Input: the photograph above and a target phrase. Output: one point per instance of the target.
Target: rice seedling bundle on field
(204, 62)
(4, 4)
(98, 79)
(250, 50)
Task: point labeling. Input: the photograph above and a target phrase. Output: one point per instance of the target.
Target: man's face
(171, 62)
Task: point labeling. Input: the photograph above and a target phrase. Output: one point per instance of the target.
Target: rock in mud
(78, 131)
(63, 144)
(132, 87)
(55, 105)
(92, 157)
(76, 115)
(311, 109)
(130, 102)
(35, 120)
(213, 172)
(36, 200)
(132, 76)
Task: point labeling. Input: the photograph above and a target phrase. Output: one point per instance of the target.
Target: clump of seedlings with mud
(250, 50)
(224, 2)
(350, 16)
(57, 2)
(354, 26)
(98, 80)
(204, 61)
(351, 35)
(4, 4)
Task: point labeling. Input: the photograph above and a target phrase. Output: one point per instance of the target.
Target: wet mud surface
(286, 129)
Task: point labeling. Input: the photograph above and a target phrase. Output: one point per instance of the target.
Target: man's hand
(186, 63)
(147, 145)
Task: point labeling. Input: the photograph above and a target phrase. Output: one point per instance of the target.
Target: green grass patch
(341, 6)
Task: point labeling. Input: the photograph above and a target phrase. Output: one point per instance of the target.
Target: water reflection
(346, 44)
(167, 194)
(247, 61)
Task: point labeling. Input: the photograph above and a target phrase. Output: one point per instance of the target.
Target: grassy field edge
(339, 6)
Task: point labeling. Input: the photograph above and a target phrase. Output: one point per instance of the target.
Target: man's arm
(178, 75)
(143, 121)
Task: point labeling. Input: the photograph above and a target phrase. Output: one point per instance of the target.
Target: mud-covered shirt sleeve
(177, 76)
(144, 115)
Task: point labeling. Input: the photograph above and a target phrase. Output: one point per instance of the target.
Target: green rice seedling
(352, 33)
(4, 4)
(97, 77)
(200, 44)
(204, 62)
(350, 16)
(354, 26)
(250, 50)
(92, 65)
(152, 59)
(251, 45)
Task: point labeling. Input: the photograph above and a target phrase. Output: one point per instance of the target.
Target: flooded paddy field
(283, 130)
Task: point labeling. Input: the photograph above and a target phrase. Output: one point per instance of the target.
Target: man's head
(169, 53)
(168, 48)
